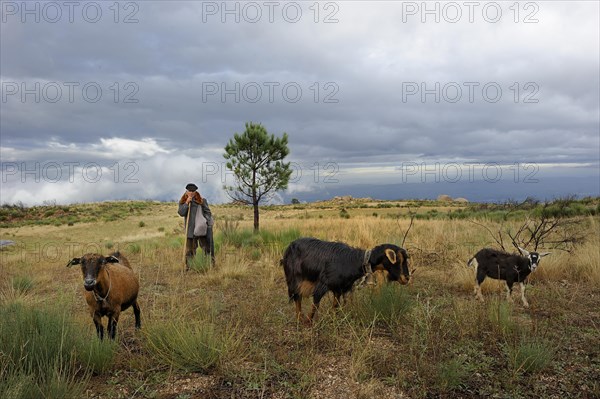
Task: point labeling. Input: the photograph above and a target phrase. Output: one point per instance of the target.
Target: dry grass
(444, 344)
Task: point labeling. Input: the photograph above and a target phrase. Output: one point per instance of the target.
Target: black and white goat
(501, 265)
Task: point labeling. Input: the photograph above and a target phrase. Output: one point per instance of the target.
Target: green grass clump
(388, 304)
(97, 355)
(38, 351)
(276, 240)
(31, 338)
(453, 373)
(191, 346)
(242, 238)
(175, 242)
(22, 284)
(256, 254)
(529, 355)
(501, 319)
(134, 248)
(200, 263)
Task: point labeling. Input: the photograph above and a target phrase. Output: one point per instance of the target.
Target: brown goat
(111, 287)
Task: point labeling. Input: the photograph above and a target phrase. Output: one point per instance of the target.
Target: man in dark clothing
(199, 228)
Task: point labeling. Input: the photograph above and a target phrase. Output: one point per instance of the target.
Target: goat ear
(400, 257)
(111, 259)
(74, 261)
(544, 254)
(523, 251)
(391, 255)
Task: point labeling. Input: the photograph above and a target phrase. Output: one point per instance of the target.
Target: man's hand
(189, 198)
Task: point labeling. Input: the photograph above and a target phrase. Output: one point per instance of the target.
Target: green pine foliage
(256, 159)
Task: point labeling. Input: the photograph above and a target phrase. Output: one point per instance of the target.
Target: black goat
(110, 287)
(313, 267)
(500, 265)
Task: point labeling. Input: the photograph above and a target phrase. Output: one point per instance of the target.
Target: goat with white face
(501, 265)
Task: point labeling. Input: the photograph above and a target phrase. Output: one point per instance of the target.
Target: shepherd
(198, 225)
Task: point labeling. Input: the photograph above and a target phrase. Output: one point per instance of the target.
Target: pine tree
(256, 159)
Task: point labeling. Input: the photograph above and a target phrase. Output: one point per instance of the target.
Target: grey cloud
(369, 54)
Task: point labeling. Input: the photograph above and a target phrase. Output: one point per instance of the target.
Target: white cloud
(101, 171)
(127, 148)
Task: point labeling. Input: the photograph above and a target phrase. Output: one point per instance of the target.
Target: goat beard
(197, 198)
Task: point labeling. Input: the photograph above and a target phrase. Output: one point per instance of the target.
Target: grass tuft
(529, 355)
(175, 242)
(22, 284)
(134, 248)
(453, 373)
(201, 263)
(389, 304)
(39, 350)
(191, 346)
(500, 315)
(97, 355)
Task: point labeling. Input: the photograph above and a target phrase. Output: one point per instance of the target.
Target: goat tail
(472, 262)
(292, 268)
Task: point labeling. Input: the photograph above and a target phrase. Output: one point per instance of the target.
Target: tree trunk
(255, 204)
(254, 201)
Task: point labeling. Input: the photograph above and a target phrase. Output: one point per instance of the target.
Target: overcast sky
(103, 102)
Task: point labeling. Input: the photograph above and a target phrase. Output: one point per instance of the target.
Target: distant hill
(478, 191)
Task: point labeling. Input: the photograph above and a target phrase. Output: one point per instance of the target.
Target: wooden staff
(185, 230)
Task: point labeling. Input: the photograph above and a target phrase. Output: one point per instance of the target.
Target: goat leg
(313, 312)
(98, 324)
(136, 312)
(318, 294)
(525, 303)
(298, 302)
(509, 285)
(113, 320)
(112, 327)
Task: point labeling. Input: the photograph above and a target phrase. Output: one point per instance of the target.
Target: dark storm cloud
(363, 66)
